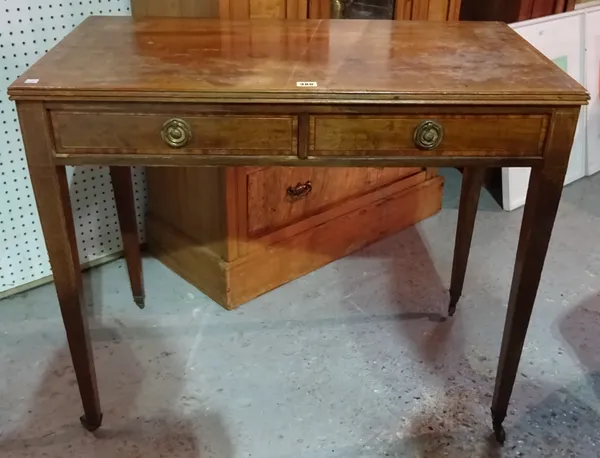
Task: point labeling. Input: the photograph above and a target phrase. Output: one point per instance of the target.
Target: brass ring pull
(428, 135)
(300, 191)
(176, 133)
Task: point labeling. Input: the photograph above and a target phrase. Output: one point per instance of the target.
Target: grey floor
(349, 361)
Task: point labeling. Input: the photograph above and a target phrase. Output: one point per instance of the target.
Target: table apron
(133, 134)
(293, 161)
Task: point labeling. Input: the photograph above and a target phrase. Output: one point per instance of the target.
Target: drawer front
(472, 135)
(280, 196)
(165, 134)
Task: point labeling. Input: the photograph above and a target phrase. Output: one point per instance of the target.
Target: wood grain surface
(393, 61)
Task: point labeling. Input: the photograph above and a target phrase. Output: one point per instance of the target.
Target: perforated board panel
(28, 28)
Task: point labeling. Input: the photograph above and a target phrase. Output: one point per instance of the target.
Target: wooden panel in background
(296, 9)
(175, 8)
(438, 10)
(267, 9)
(420, 10)
(512, 10)
(560, 6)
(525, 10)
(226, 9)
(403, 10)
(543, 8)
(454, 10)
(192, 199)
(492, 10)
(319, 9)
(234, 9)
(263, 9)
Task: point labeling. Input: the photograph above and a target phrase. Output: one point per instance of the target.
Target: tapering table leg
(125, 201)
(51, 191)
(545, 189)
(470, 190)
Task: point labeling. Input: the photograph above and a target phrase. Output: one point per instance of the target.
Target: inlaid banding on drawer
(462, 135)
(125, 133)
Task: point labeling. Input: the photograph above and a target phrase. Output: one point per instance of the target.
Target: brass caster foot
(91, 426)
(452, 306)
(499, 433)
(140, 301)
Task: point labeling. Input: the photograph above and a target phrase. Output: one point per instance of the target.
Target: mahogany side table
(191, 92)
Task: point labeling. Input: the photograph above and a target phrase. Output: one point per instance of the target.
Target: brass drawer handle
(428, 135)
(300, 191)
(176, 133)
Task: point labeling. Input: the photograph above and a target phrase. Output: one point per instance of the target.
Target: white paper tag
(32, 81)
(306, 83)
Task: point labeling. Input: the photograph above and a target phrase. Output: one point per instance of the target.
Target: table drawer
(280, 196)
(107, 132)
(429, 135)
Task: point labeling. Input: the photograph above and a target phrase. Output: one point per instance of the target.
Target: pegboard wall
(28, 29)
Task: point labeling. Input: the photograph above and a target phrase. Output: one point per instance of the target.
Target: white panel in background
(560, 38)
(592, 80)
(28, 28)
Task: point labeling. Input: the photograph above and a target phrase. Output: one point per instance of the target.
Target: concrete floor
(349, 361)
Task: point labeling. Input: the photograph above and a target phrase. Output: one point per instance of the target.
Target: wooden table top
(381, 61)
